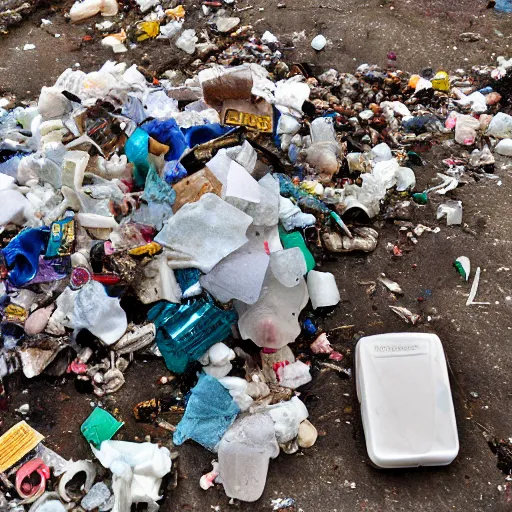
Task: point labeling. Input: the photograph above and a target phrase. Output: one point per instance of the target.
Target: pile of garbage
(178, 220)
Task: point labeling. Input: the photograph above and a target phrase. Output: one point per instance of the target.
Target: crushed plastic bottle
(244, 454)
(324, 151)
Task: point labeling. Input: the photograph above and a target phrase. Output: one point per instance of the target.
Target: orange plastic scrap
(413, 81)
(120, 36)
(16, 443)
(176, 13)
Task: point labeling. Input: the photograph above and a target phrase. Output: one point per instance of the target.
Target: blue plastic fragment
(22, 254)
(310, 327)
(168, 133)
(202, 133)
(186, 331)
(210, 412)
(173, 172)
(188, 279)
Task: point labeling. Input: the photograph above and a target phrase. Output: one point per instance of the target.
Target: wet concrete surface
(476, 338)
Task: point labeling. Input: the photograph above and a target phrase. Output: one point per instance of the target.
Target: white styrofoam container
(406, 401)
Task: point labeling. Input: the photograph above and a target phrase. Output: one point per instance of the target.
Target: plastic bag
(137, 150)
(167, 132)
(210, 412)
(100, 314)
(22, 254)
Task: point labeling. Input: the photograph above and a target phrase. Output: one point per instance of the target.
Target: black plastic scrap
(503, 450)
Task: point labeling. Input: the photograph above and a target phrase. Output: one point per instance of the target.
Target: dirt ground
(476, 338)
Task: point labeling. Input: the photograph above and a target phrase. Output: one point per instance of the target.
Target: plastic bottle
(244, 455)
(324, 150)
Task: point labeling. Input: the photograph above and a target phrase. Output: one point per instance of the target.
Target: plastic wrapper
(14, 207)
(173, 172)
(158, 105)
(160, 197)
(137, 468)
(500, 126)
(185, 332)
(17, 442)
(188, 280)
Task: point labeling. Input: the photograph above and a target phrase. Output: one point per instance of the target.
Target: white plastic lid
(406, 402)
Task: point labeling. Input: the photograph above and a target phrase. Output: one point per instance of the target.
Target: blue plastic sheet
(168, 133)
(22, 254)
(158, 191)
(210, 412)
(186, 331)
(160, 197)
(204, 133)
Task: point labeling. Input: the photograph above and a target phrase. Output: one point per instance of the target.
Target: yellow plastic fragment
(16, 443)
(148, 30)
(176, 13)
